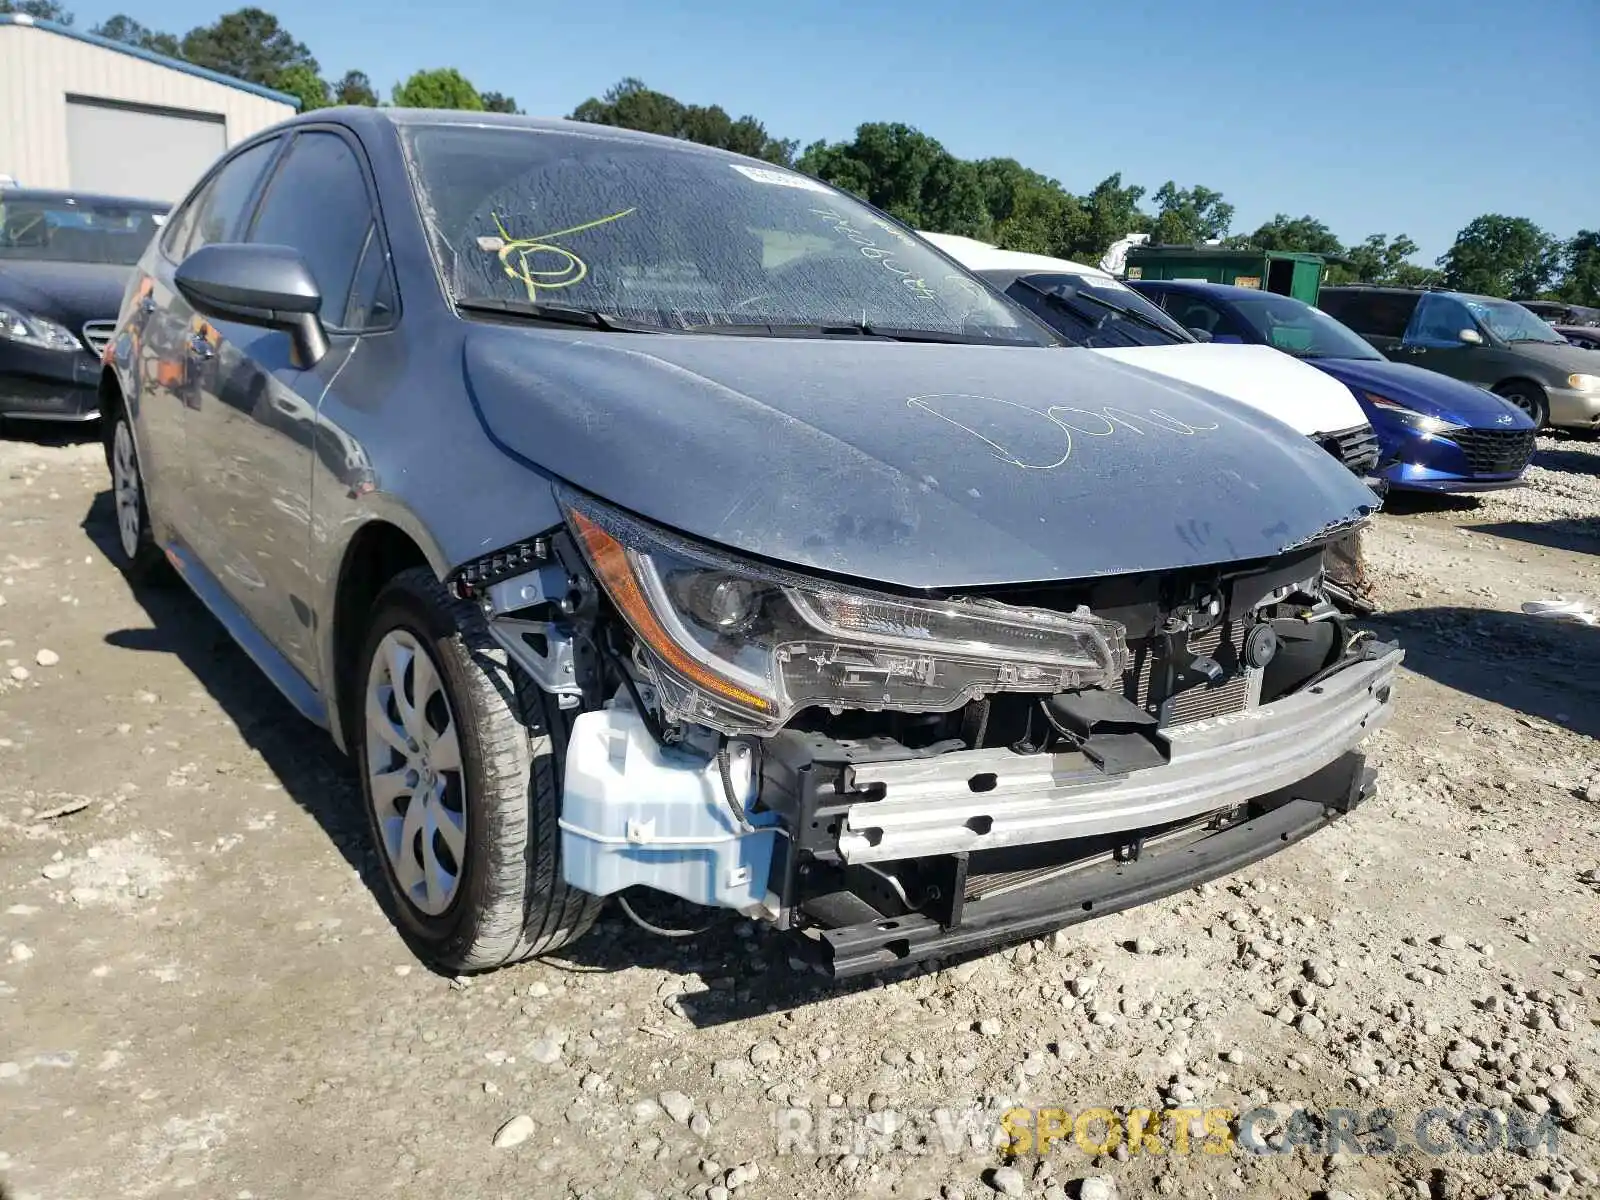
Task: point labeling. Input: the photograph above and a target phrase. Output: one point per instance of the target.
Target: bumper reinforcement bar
(1093, 891)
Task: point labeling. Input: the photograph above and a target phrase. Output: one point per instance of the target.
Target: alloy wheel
(1524, 402)
(414, 772)
(125, 489)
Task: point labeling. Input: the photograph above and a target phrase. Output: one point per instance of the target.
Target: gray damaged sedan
(646, 519)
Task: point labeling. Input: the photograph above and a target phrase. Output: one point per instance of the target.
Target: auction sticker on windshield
(779, 178)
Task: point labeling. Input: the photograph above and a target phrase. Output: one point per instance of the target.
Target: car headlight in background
(740, 647)
(30, 330)
(1584, 383)
(1421, 422)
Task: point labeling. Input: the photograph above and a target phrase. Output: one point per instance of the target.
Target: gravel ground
(200, 996)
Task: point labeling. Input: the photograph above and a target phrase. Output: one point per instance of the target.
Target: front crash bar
(985, 799)
(1095, 891)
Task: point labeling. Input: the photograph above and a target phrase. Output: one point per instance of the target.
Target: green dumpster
(1288, 273)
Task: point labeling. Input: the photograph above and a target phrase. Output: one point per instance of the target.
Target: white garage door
(149, 153)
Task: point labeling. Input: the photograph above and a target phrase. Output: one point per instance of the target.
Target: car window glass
(317, 203)
(1439, 322)
(672, 235)
(213, 215)
(1194, 313)
(372, 296)
(1372, 314)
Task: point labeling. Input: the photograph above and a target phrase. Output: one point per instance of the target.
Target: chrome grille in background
(1356, 448)
(1200, 702)
(97, 336)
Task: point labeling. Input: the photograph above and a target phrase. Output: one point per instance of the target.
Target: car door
(1433, 340)
(253, 437)
(164, 328)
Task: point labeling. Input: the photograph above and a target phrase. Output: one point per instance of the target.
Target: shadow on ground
(1574, 462)
(1404, 504)
(48, 433)
(1581, 535)
(1533, 665)
(313, 773)
(745, 975)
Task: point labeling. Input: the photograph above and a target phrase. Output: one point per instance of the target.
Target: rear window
(1372, 314)
(74, 229)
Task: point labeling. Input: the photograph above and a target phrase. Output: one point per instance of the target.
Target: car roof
(363, 117)
(1413, 291)
(9, 193)
(983, 256)
(1224, 291)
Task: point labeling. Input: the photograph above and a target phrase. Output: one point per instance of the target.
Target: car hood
(1428, 392)
(921, 466)
(68, 292)
(1559, 357)
(1268, 380)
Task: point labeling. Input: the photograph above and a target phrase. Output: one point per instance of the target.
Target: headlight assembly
(18, 326)
(1584, 383)
(740, 647)
(1422, 422)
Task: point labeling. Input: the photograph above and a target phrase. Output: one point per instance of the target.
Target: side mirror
(1470, 337)
(269, 286)
(1203, 335)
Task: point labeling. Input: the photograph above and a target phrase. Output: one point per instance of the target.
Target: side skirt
(294, 686)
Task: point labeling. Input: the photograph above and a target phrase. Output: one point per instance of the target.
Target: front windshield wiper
(862, 329)
(1133, 314)
(558, 314)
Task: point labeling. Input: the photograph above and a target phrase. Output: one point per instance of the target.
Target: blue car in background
(1436, 434)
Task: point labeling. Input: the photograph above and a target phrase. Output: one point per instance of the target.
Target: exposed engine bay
(894, 776)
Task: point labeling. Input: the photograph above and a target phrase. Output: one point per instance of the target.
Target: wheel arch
(1541, 390)
(378, 551)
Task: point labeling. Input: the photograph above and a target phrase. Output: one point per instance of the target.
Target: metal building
(86, 113)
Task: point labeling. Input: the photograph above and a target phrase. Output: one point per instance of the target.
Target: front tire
(1529, 397)
(461, 759)
(140, 558)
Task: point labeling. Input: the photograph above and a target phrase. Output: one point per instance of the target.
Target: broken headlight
(740, 647)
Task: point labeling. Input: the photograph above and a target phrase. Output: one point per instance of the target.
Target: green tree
(444, 87)
(355, 88)
(1409, 274)
(1580, 282)
(1381, 259)
(1027, 211)
(907, 174)
(1187, 216)
(304, 82)
(1110, 211)
(496, 102)
(123, 28)
(248, 44)
(631, 104)
(40, 10)
(1305, 235)
(1501, 256)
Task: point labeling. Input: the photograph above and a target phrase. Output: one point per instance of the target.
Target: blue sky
(1407, 116)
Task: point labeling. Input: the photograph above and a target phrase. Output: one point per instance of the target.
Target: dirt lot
(200, 996)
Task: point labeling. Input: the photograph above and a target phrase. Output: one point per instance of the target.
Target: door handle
(200, 348)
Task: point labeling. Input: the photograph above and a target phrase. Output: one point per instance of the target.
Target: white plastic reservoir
(633, 812)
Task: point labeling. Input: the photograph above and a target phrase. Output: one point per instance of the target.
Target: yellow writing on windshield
(518, 256)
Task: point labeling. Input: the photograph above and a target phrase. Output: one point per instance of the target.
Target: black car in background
(1559, 314)
(65, 259)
